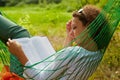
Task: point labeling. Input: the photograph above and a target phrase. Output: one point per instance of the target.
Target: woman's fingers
(12, 46)
(68, 26)
(8, 44)
(11, 42)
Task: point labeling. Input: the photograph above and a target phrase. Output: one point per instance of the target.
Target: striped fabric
(73, 63)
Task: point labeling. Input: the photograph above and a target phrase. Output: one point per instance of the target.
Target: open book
(36, 48)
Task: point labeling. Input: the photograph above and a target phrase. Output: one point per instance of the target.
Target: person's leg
(9, 29)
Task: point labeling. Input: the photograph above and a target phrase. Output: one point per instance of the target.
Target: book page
(36, 48)
(44, 46)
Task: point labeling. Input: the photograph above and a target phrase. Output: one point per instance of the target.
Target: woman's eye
(74, 27)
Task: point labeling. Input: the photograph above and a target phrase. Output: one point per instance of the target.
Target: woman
(73, 62)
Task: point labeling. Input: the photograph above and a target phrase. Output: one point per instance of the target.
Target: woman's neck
(89, 44)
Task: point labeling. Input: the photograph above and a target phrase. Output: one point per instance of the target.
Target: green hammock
(107, 21)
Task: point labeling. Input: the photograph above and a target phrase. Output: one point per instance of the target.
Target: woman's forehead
(76, 19)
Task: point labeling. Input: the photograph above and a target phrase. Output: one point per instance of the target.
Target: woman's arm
(16, 49)
(51, 71)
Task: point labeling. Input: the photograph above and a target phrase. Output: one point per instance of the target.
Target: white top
(72, 63)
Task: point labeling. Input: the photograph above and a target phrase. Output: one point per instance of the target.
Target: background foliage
(49, 17)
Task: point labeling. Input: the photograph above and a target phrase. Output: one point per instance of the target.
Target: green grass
(40, 21)
(50, 21)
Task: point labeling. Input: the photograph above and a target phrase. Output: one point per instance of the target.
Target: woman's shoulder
(82, 51)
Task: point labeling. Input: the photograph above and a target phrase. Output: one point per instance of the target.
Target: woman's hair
(87, 14)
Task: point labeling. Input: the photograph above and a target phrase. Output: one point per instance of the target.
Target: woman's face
(76, 27)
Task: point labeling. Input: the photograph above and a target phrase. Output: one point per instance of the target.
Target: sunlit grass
(51, 22)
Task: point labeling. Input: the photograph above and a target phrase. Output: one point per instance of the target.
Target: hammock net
(57, 66)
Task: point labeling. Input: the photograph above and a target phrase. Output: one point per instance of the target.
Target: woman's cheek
(72, 34)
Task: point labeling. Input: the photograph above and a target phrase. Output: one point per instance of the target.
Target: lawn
(51, 22)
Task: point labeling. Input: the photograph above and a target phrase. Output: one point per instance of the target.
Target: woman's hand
(69, 30)
(70, 34)
(16, 49)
